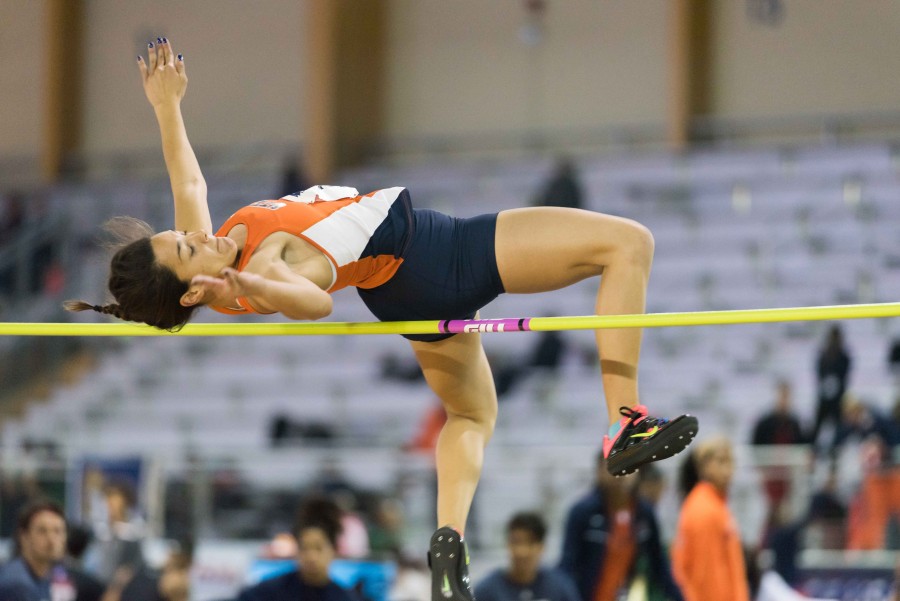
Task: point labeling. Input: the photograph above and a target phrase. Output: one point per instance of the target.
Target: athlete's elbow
(323, 308)
(312, 310)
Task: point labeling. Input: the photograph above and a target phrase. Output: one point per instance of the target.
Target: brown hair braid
(145, 291)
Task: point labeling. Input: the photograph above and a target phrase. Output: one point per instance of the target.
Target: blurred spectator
(412, 582)
(353, 540)
(784, 539)
(827, 515)
(292, 179)
(37, 572)
(524, 577)
(563, 188)
(171, 583)
(707, 556)
(864, 422)
(544, 360)
(832, 373)
(610, 534)
(875, 508)
(401, 369)
(317, 529)
(87, 587)
(11, 219)
(120, 536)
(779, 426)
(385, 531)
(428, 430)
(16, 491)
(285, 430)
(651, 484)
(13, 214)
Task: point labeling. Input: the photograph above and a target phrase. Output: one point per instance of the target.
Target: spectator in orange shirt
(707, 557)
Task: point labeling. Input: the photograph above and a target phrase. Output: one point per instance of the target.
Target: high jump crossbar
(456, 326)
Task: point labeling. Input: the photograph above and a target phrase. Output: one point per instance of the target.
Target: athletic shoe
(643, 439)
(448, 559)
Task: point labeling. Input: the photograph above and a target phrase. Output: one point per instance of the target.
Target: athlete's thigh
(547, 248)
(457, 371)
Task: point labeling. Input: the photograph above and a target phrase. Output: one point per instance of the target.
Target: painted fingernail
(180, 57)
(140, 58)
(159, 40)
(149, 44)
(165, 41)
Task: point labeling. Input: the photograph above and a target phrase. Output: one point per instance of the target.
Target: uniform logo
(268, 204)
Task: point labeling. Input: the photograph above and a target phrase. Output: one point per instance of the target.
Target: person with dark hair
(832, 374)
(707, 556)
(120, 537)
(37, 572)
(525, 577)
(612, 543)
(317, 529)
(87, 587)
(780, 426)
(288, 255)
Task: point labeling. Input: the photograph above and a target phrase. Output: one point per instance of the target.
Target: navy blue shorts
(449, 271)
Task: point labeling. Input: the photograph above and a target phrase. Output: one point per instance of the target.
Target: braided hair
(145, 291)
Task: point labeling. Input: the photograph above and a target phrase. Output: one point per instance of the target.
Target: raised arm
(165, 82)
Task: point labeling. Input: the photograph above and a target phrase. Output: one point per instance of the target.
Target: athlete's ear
(194, 296)
(203, 290)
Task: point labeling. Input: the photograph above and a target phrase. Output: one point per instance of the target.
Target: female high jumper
(287, 255)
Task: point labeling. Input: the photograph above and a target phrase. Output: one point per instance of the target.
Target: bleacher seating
(733, 229)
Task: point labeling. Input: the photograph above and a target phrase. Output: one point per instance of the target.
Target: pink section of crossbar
(463, 326)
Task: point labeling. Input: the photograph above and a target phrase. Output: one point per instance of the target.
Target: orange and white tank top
(337, 220)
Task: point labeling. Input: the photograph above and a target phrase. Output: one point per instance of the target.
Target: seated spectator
(610, 533)
(317, 529)
(37, 573)
(524, 577)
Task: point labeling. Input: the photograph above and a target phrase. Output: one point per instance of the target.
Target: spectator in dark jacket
(37, 573)
(865, 422)
(779, 426)
(832, 373)
(317, 529)
(525, 577)
(609, 532)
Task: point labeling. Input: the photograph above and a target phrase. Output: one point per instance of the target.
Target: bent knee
(483, 417)
(638, 244)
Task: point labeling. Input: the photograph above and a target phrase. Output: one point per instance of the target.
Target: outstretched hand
(229, 286)
(163, 74)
